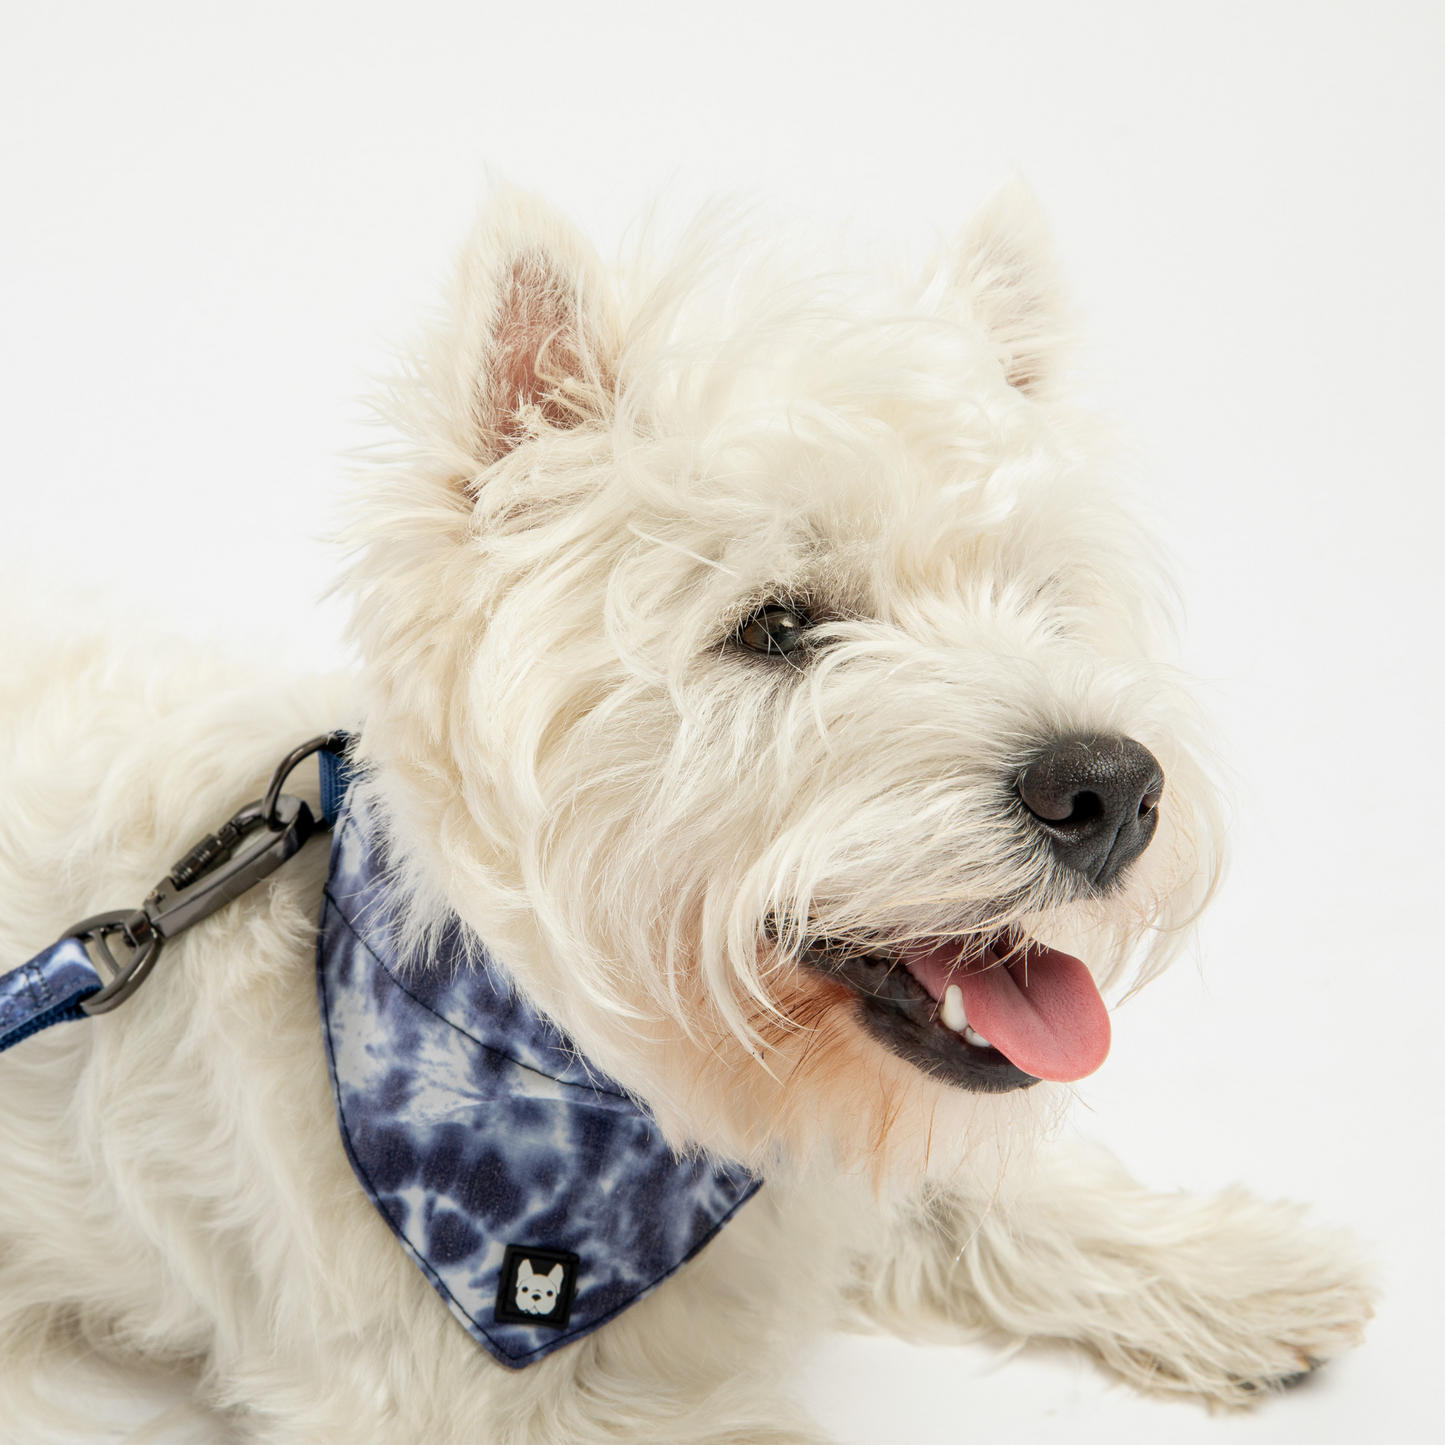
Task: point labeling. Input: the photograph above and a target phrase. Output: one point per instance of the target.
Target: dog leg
(1219, 1297)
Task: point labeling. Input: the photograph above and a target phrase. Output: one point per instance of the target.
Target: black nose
(1098, 801)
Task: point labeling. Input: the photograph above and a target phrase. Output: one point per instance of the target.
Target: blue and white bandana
(535, 1195)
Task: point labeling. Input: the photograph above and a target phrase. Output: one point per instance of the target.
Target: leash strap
(79, 975)
(47, 990)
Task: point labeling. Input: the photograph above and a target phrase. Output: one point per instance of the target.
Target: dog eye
(775, 630)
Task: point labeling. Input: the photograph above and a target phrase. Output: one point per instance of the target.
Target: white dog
(764, 754)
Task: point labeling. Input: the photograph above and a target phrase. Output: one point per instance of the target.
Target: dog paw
(1222, 1297)
(1257, 1330)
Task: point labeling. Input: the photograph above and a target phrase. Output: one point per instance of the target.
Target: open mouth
(989, 1016)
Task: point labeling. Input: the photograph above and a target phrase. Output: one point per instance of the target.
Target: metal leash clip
(216, 871)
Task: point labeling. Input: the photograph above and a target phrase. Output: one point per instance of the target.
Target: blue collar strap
(537, 1197)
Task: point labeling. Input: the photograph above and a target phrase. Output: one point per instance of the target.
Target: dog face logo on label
(537, 1286)
(537, 1293)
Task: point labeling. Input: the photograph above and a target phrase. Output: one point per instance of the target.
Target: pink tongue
(1039, 1008)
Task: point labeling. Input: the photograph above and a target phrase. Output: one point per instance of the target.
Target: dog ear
(537, 336)
(555, 1276)
(524, 1271)
(1008, 273)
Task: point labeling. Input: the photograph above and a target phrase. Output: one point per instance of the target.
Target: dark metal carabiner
(216, 871)
(261, 846)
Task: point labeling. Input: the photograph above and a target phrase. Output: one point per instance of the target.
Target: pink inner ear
(535, 354)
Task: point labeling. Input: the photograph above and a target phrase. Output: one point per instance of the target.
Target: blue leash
(63, 981)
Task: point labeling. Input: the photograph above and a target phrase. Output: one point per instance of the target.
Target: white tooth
(952, 1012)
(977, 1040)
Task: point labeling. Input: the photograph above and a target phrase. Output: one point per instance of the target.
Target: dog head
(762, 661)
(536, 1292)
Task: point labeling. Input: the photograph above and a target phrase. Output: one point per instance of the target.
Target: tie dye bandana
(534, 1194)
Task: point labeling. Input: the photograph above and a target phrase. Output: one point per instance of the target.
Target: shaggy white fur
(603, 476)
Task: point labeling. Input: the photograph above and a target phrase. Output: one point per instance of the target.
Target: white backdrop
(215, 217)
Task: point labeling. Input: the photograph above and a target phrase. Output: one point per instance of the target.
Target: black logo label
(537, 1286)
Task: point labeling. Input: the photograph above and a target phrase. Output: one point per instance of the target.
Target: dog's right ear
(534, 334)
(1007, 272)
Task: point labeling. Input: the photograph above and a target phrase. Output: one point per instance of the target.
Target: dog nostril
(1087, 807)
(1056, 801)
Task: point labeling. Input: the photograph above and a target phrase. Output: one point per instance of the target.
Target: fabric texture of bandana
(535, 1195)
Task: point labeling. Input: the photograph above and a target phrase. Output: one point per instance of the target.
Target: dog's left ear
(1006, 270)
(536, 334)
